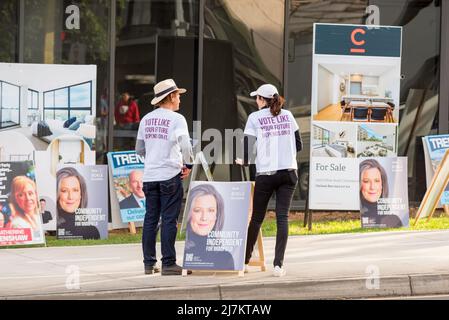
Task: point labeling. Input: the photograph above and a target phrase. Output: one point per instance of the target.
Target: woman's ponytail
(275, 104)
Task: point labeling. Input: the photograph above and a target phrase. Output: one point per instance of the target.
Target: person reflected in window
(126, 112)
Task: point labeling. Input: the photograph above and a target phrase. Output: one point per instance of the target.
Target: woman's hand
(185, 172)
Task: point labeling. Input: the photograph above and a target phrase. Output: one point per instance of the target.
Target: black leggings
(284, 184)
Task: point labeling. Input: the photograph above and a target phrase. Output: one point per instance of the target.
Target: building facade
(221, 50)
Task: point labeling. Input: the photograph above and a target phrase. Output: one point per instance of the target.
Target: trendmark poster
(127, 177)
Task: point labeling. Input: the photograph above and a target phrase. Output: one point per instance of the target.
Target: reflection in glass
(47, 40)
(143, 27)
(247, 38)
(420, 64)
(9, 27)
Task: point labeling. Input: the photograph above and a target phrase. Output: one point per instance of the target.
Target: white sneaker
(279, 271)
(246, 268)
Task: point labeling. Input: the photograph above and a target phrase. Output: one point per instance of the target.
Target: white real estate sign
(355, 108)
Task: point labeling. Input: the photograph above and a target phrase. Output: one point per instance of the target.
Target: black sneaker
(152, 269)
(173, 270)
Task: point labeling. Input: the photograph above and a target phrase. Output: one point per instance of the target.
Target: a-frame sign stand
(201, 160)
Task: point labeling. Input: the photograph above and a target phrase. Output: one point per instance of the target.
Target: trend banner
(126, 170)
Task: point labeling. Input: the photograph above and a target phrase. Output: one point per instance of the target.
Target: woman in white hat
(163, 139)
(274, 134)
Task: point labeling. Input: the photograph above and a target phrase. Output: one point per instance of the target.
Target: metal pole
(111, 92)
(286, 36)
(199, 95)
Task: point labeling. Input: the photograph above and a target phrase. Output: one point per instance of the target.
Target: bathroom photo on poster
(82, 202)
(20, 217)
(384, 192)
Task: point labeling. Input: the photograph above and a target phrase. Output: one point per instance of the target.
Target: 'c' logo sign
(357, 42)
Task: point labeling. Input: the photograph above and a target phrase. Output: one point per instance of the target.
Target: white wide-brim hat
(267, 91)
(163, 89)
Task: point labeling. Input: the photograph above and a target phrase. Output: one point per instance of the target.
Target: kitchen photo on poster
(20, 218)
(82, 202)
(434, 149)
(127, 176)
(384, 192)
(217, 216)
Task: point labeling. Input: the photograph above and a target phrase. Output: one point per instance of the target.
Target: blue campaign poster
(436, 148)
(127, 174)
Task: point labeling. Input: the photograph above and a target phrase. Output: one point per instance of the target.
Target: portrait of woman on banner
(71, 197)
(205, 215)
(374, 186)
(24, 207)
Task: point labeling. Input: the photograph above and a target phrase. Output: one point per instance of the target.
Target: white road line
(73, 260)
(65, 275)
(355, 260)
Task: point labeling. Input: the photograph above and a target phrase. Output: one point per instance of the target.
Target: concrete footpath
(342, 266)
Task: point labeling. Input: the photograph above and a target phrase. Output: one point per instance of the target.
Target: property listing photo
(376, 140)
(333, 140)
(364, 90)
(43, 102)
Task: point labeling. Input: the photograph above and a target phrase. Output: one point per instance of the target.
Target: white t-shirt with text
(276, 145)
(161, 130)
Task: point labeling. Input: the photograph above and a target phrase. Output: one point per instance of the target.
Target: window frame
(1, 104)
(69, 109)
(32, 91)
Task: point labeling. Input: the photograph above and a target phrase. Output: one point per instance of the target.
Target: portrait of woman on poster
(72, 195)
(24, 203)
(374, 186)
(206, 214)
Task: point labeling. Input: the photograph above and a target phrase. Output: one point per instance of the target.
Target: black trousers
(283, 183)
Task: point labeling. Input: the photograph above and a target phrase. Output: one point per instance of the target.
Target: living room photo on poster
(384, 192)
(217, 215)
(20, 218)
(43, 101)
(127, 178)
(82, 202)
